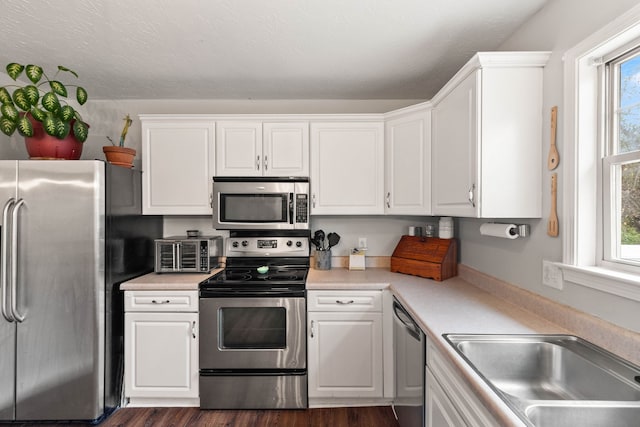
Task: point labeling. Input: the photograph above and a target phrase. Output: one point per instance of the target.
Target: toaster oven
(182, 254)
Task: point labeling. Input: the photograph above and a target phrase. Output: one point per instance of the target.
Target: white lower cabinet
(345, 350)
(161, 348)
(449, 402)
(440, 411)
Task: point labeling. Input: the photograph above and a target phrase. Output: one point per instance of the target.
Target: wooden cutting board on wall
(428, 257)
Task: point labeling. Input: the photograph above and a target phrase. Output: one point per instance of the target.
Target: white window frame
(582, 194)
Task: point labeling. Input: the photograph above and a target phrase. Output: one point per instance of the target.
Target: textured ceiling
(258, 49)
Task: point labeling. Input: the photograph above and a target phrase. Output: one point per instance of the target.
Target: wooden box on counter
(428, 257)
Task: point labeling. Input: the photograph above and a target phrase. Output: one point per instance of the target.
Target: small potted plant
(38, 110)
(119, 154)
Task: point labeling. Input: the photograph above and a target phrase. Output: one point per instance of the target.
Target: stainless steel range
(252, 323)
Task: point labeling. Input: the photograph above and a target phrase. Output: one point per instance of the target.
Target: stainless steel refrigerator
(71, 232)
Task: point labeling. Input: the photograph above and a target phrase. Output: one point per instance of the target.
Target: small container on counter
(430, 230)
(445, 228)
(323, 259)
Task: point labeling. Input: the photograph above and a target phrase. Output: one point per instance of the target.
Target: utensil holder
(323, 260)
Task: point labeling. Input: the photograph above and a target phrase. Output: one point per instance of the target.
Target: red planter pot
(44, 146)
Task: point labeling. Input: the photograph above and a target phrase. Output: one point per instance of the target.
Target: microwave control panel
(302, 208)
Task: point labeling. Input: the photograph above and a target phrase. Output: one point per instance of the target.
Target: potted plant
(38, 110)
(119, 154)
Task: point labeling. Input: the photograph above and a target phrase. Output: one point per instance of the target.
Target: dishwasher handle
(404, 317)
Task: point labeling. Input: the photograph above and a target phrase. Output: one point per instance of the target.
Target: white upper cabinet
(178, 162)
(286, 149)
(347, 168)
(487, 138)
(253, 148)
(408, 163)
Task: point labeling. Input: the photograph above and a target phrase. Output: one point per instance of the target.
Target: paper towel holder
(520, 230)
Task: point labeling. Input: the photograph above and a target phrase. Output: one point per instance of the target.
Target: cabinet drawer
(344, 301)
(186, 301)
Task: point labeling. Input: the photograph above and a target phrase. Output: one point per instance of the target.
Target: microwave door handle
(291, 208)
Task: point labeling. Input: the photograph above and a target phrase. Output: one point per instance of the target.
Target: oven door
(254, 333)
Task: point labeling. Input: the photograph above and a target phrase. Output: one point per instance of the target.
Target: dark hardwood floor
(375, 416)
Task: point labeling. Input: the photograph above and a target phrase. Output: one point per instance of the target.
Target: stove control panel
(271, 246)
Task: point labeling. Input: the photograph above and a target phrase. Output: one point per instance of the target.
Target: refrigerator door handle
(4, 262)
(14, 262)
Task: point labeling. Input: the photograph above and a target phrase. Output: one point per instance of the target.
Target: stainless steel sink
(596, 415)
(554, 377)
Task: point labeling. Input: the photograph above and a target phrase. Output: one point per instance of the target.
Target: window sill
(626, 285)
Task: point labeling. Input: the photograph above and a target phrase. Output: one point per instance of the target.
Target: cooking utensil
(333, 239)
(554, 156)
(315, 243)
(552, 225)
(319, 236)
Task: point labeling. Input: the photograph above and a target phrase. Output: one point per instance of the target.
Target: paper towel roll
(506, 231)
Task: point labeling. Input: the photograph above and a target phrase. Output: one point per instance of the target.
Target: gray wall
(558, 27)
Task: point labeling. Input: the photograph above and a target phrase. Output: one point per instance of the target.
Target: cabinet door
(440, 411)
(455, 136)
(239, 148)
(408, 165)
(177, 158)
(161, 355)
(347, 168)
(286, 149)
(345, 354)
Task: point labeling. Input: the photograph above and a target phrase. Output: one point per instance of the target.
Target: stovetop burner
(246, 276)
(285, 254)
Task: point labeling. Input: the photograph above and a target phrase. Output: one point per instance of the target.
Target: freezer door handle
(14, 261)
(4, 261)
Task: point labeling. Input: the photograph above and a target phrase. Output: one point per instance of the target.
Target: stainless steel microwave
(182, 254)
(260, 203)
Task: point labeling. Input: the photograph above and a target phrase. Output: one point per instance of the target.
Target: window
(620, 91)
(601, 158)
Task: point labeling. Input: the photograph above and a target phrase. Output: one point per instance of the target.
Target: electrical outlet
(551, 275)
(362, 242)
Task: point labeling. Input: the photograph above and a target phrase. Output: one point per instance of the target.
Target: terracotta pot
(121, 156)
(44, 146)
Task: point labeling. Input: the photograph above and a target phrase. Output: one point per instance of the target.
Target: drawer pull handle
(161, 302)
(344, 302)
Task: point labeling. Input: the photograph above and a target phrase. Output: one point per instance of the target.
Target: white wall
(558, 27)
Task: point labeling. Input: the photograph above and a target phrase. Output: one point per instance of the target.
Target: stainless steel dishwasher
(409, 361)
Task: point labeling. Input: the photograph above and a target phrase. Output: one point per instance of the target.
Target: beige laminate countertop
(167, 281)
(450, 306)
